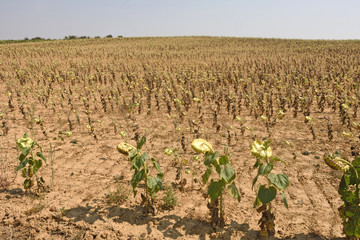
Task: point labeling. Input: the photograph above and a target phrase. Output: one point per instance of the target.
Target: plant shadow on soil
(251, 235)
(170, 225)
(13, 193)
(87, 214)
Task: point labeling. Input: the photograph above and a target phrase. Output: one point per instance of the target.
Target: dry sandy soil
(76, 206)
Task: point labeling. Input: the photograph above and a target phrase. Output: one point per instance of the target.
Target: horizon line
(78, 37)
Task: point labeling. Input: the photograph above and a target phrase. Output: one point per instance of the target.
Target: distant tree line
(39, 39)
(35, 39)
(70, 37)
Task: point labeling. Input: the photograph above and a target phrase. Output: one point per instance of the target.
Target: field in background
(229, 91)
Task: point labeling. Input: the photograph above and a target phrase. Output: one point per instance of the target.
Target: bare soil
(76, 206)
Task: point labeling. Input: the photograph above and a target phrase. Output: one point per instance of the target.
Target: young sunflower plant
(142, 173)
(30, 162)
(266, 193)
(216, 187)
(349, 189)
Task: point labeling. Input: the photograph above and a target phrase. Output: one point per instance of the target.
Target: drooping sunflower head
(125, 148)
(201, 146)
(24, 142)
(336, 162)
(260, 149)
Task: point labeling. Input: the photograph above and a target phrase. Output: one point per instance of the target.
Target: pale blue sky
(306, 19)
